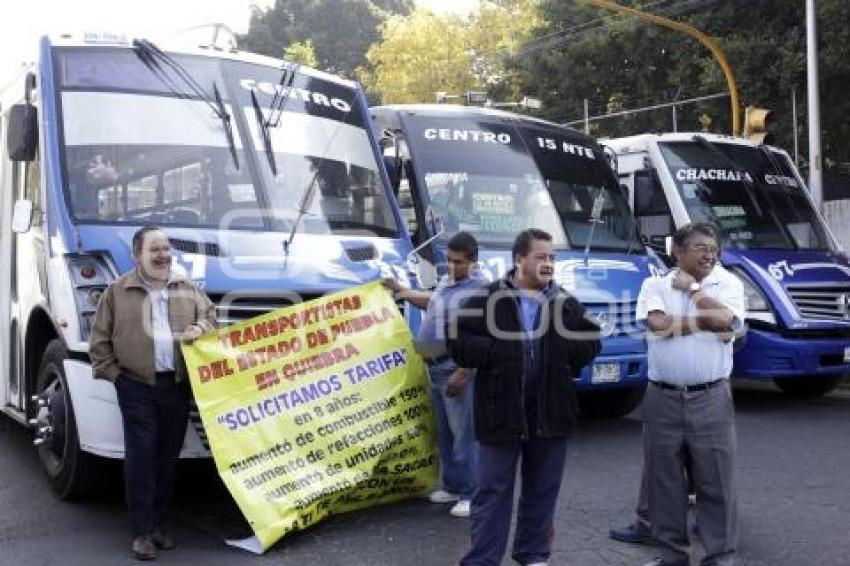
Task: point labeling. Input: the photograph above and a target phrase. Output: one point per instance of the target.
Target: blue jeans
(455, 437)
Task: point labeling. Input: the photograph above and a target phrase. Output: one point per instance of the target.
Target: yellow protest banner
(316, 409)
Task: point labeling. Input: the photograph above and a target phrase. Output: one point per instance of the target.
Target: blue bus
(796, 278)
(494, 174)
(265, 175)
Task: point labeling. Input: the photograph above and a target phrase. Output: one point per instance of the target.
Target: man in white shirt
(691, 316)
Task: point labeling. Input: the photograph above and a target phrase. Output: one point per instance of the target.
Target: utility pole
(815, 157)
(794, 119)
(586, 118)
(706, 40)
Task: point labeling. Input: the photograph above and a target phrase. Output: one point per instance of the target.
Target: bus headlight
(90, 275)
(758, 307)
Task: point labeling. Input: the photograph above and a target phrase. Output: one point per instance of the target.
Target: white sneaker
(460, 509)
(442, 496)
(538, 564)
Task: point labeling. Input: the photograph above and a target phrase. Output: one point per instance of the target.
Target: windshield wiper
(595, 218)
(279, 100)
(228, 125)
(152, 56)
(303, 206)
(264, 132)
(307, 194)
(277, 106)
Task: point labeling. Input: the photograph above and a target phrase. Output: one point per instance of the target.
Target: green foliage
(613, 60)
(341, 31)
(422, 53)
(302, 53)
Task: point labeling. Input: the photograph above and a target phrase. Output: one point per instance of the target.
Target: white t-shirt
(694, 358)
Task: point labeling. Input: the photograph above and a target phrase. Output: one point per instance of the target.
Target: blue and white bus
(796, 278)
(265, 176)
(494, 174)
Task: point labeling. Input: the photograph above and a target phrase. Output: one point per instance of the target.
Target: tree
(584, 52)
(419, 55)
(302, 53)
(341, 31)
(423, 53)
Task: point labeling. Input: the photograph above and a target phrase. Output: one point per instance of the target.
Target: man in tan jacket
(133, 343)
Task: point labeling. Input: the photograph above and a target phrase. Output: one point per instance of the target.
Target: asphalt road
(794, 489)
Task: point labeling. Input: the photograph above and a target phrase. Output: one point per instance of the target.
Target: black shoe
(143, 548)
(636, 533)
(161, 539)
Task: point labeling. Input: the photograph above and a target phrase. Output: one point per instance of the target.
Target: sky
(154, 19)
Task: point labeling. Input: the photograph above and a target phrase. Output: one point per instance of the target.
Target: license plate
(847, 354)
(607, 373)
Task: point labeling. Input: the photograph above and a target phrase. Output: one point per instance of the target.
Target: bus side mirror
(22, 132)
(611, 158)
(22, 216)
(393, 166)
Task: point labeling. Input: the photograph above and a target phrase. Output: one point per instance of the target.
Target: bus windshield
(752, 193)
(141, 146)
(495, 179)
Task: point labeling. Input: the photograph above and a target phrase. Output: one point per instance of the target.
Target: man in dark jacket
(527, 338)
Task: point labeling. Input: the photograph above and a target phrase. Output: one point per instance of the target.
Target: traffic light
(759, 125)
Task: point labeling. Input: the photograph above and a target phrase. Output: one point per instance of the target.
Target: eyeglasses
(705, 249)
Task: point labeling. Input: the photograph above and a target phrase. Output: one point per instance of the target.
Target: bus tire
(808, 387)
(72, 473)
(611, 403)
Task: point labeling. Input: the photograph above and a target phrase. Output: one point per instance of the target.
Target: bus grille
(821, 302)
(232, 308)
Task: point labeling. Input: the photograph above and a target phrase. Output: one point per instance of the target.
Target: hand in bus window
(100, 169)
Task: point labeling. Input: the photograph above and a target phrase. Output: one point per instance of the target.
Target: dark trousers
(699, 425)
(492, 503)
(155, 420)
(642, 508)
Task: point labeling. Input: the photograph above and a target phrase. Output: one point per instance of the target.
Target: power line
(584, 25)
(557, 38)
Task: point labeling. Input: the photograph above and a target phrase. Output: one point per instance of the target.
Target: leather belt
(696, 387)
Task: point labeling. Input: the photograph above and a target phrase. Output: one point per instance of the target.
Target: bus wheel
(610, 404)
(808, 387)
(72, 473)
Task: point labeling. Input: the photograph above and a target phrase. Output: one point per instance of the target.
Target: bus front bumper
(769, 355)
